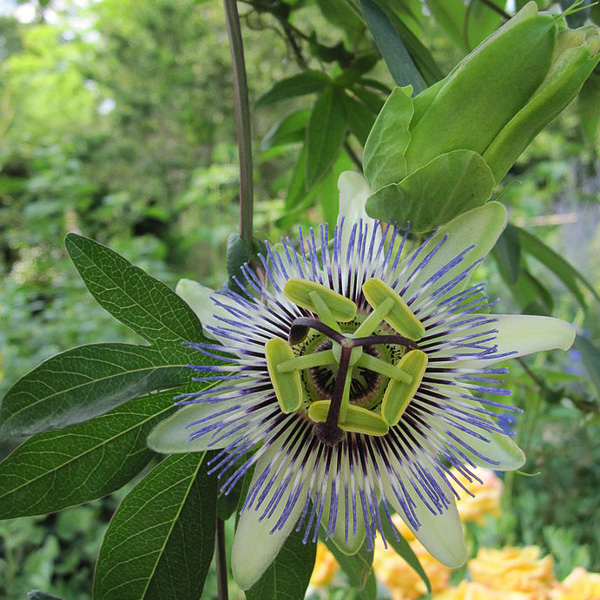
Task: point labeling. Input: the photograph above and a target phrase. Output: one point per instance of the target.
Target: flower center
(347, 377)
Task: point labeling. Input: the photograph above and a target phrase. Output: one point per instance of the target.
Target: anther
(398, 393)
(287, 384)
(399, 316)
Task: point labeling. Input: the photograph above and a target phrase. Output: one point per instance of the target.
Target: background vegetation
(116, 121)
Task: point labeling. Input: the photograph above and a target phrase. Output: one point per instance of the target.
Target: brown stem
(221, 561)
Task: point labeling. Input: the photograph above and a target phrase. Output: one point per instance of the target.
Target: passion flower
(353, 380)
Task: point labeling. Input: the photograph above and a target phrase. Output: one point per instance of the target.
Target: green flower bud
(482, 94)
(577, 53)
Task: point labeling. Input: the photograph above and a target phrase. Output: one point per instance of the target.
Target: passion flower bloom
(352, 379)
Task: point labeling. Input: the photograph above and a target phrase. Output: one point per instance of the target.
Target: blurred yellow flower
(514, 570)
(471, 590)
(399, 577)
(579, 585)
(485, 499)
(325, 567)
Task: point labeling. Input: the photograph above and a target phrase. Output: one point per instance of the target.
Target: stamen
(358, 419)
(287, 385)
(327, 304)
(307, 361)
(399, 317)
(399, 394)
(371, 323)
(384, 368)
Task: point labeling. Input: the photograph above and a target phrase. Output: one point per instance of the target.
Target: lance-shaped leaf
(160, 542)
(324, 135)
(143, 303)
(84, 382)
(308, 82)
(357, 567)
(507, 253)
(288, 576)
(402, 547)
(449, 185)
(392, 48)
(58, 469)
(568, 274)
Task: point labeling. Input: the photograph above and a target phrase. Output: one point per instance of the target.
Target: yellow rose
(471, 590)
(399, 577)
(579, 585)
(514, 570)
(485, 499)
(325, 567)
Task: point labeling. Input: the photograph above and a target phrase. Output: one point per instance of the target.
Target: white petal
(355, 541)
(170, 436)
(441, 534)
(354, 191)
(199, 299)
(525, 334)
(480, 227)
(500, 448)
(254, 546)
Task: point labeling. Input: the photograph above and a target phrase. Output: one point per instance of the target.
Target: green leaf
(160, 542)
(434, 194)
(297, 187)
(391, 46)
(304, 83)
(590, 355)
(357, 567)
(383, 158)
(288, 576)
(588, 105)
(54, 470)
(402, 548)
(423, 59)
(82, 383)
(288, 130)
(360, 117)
(146, 305)
(324, 135)
(507, 253)
(569, 276)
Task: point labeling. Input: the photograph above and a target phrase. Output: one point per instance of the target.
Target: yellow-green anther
(320, 300)
(576, 55)
(287, 385)
(368, 326)
(485, 90)
(307, 361)
(384, 368)
(400, 317)
(357, 420)
(398, 395)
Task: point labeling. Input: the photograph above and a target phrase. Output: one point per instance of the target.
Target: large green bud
(434, 157)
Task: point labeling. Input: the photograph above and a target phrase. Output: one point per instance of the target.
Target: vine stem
(242, 122)
(221, 561)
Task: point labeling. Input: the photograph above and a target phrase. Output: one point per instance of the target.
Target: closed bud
(577, 53)
(482, 94)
